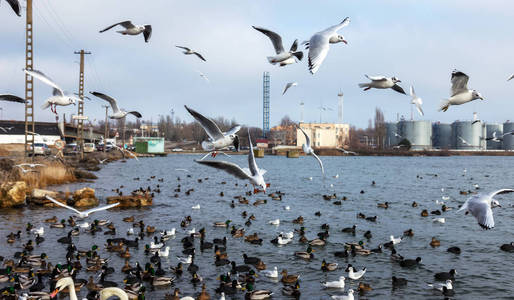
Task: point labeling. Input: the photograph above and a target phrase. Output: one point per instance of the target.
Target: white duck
(339, 284)
(270, 273)
(395, 240)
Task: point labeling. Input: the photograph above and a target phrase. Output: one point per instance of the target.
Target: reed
(51, 173)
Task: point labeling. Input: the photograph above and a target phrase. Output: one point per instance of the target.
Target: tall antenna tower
(340, 108)
(29, 85)
(301, 111)
(265, 103)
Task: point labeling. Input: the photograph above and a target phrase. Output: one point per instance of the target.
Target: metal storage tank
(391, 138)
(466, 136)
(442, 135)
(483, 135)
(508, 140)
(419, 133)
(490, 128)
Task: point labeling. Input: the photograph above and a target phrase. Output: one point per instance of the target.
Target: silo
(392, 138)
(508, 140)
(442, 135)
(466, 136)
(419, 133)
(490, 128)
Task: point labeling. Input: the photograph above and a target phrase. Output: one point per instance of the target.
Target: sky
(418, 41)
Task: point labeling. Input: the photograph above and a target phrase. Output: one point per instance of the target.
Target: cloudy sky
(420, 42)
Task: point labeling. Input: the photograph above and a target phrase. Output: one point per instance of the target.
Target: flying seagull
(6, 129)
(382, 82)
(132, 29)
(189, 51)
(252, 173)
(16, 6)
(217, 139)
(319, 44)
(83, 214)
(464, 141)
(416, 101)
(282, 57)
(289, 85)
(480, 206)
(494, 138)
(460, 93)
(511, 76)
(59, 96)
(203, 76)
(117, 113)
(307, 149)
(12, 98)
(346, 151)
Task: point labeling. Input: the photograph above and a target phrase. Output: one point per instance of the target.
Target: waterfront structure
(324, 135)
(418, 133)
(508, 140)
(441, 136)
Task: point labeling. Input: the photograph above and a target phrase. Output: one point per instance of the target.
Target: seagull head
(495, 203)
(72, 101)
(340, 38)
(395, 80)
(477, 95)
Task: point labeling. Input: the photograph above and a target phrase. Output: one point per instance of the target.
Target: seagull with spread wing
(252, 173)
(460, 93)
(83, 214)
(511, 76)
(319, 44)
(288, 86)
(16, 6)
(117, 113)
(480, 206)
(132, 29)
(463, 141)
(59, 96)
(217, 139)
(382, 82)
(189, 51)
(416, 101)
(282, 57)
(307, 149)
(12, 98)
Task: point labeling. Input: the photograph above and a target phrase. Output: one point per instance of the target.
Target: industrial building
(324, 135)
(460, 135)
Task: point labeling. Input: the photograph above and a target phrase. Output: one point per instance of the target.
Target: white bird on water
(439, 220)
(274, 222)
(288, 86)
(217, 139)
(252, 173)
(339, 284)
(344, 297)
(307, 149)
(116, 112)
(132, 29)
(189, 51)
(83, 214)
(270, 273)
(355, 275)
(319, 44)
(460, 93)
(439, 286)
(416, 101)
(480, 206)
(282, 57)
(196, 206)
(395, 240)
(59, 96)
(382, 82)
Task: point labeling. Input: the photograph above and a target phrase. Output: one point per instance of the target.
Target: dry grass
(51, 173)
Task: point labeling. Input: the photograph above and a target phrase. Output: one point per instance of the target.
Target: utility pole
(106, 125)
(29, 87)
(124, 129)
(80, 114)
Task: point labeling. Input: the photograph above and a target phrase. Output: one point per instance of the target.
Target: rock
(6, 164)
(131, 201)
(41, 194)
(81, 174)
(85, 197)
(13, 194)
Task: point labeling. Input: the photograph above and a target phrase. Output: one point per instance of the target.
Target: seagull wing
(208, 125)
(511, 76)
(290, 84)
(418, 107)
(226, 166)
(62, 205)
(233, 130)
(318, 50)
(109, 99)
(184, 48)
(126, 24)
(147, 33)
(15, 5)
(399, 89)
(336, 28)
(252, 165)
(135, 113)
(376, 78)
(480, 208)
(11, 98)
(307, 138)
(41, 76)
(275, 38)
(92, 210)
(199, 56)
(499, 192)
(320, 163)
(459, 82)
(412, 93)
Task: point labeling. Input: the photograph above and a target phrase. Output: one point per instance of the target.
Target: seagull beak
(54, 293)
(345, 41)
(482, 98)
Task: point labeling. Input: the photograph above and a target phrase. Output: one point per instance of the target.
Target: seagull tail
(363, 85)
(298, 55)
(207, 146)
(271, 60)
(45, 105)
(444, 105)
